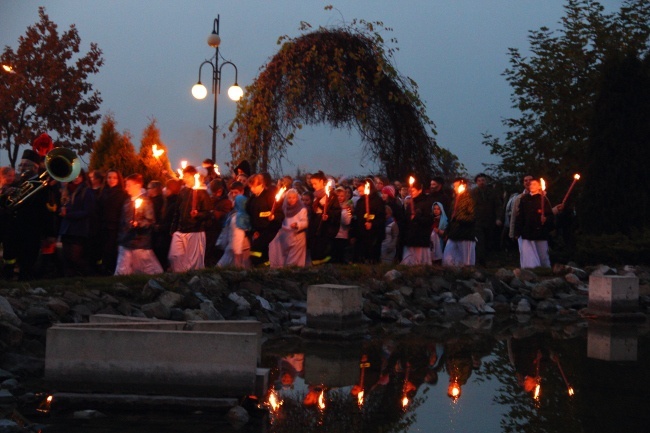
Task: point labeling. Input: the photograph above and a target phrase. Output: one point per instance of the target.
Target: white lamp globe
(199, 91)
(235, 92)
(214, 40)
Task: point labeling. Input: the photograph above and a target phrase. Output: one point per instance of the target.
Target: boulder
(157, 310)
(392, 275)
(170, 299)
(7, 313)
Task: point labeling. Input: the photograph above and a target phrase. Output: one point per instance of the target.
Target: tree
(114, 151)
(617, 178)
(47, 89)
(154, 167)
(342, 76)
(556, 87)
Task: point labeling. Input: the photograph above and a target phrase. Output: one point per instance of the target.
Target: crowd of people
(100, 223)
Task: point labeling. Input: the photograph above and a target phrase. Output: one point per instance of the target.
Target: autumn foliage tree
(44, 87)
(342, 76)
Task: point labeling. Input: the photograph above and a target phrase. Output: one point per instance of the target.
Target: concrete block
(161, 325)
(167, 362)
(332, 306)
(613, 294)
(612, 342)
(114, 318)
(246, 326)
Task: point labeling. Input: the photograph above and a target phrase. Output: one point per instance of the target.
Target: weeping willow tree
(344, 77)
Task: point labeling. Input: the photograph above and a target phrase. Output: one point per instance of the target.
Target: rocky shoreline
(402, 297)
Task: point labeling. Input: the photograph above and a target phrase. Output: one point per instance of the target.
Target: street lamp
(200, 92)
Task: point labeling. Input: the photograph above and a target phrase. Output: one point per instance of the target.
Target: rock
(406, 291)
(580, 273)
(523, 306)
(501, 307)
(392, 275)
(82, 310)
(389, 314)
(37, 315)
(602, 270)
(58, 306)
(397, 297)
(212, 314)
(157, 310)
(517, 284)
(253, 287)
(546, 307)
(243, 306)
(4, 375)
(12, 385)
(505, 275)
(572, 279)
(403, 321)
(541, 291)
(38, 291)
(23, 365)
(237, 417)
(525, 274)
(194, 315)
(6, 397)
(152, 289)
(264, 303)
(440, 284)
(9, 426)
(473, 303)
(170, 299)
(7, 312)
(10, 334)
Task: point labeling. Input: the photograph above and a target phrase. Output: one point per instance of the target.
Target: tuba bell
(61, 164)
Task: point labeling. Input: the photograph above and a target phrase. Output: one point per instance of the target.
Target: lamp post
(200, 92)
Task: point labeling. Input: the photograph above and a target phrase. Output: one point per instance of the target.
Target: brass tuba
(61, 164)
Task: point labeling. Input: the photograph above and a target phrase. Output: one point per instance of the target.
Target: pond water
(477, 376)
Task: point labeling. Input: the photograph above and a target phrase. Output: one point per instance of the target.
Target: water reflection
(517, 378)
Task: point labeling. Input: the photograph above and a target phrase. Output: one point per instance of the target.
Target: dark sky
(455, 50)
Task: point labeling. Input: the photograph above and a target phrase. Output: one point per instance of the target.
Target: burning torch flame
(576, 176)
(157, 152)
(216, 170)
(461, 188)
(538, 388)
(411, 180)
(45, 405)
(328, 187)
(454, 391)
(197, 181)
(543, 183)
(366, 188)
(321, 400)
(360, 398)
(571, 392)
(138, 203)
(274, 401)
(405, 401)
(278, 196)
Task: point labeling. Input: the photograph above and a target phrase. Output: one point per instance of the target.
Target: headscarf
(242, 220)
(442, 225)
(291, 211)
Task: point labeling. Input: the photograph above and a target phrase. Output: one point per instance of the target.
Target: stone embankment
(408, 297)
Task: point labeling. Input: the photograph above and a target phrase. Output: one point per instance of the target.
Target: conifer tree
(113, 150)
(154, 167)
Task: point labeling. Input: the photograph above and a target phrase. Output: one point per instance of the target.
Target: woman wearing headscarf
(289, 247)
(438, 232)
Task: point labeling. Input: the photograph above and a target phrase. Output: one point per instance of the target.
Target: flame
(274, 401)
(405, 401)
(138, 203)
(183, 164)
(157, 152)
(538, 388)
(197, 181)
(455, 391)
(9, 69)
(278, 196)
(328, 187)
(543, 183)
(45, 404)
(366, 188)
(571, 391)
(216, 170)
(180, 172)
(411, 180)
(321, 400)
(576, 176)
(461, 188)
(360, 398)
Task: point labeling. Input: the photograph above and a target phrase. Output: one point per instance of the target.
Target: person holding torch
(460, 249)
(135, 254)
(534, 222)
(417, 227)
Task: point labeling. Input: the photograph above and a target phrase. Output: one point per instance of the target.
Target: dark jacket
(528, 223)
(136, 238)
(183, 221)
(110, 205)
(259, 209)
(79, 210)
(462, 221)
(417, 230)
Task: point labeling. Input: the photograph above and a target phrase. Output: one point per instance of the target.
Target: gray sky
(455, 51)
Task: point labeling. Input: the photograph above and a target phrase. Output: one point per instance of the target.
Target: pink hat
(388, 190)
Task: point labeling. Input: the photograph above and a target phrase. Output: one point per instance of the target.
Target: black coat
(528, 223)
(417, 229)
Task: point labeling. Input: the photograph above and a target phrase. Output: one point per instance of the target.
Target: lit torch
(576, 177)
(366, 192)
(45, 405)
(411, 182)
(180, 170)
(321, 400)
(137, 204)
(195, 188)
(278, 197)
(454, 391)
(460, 190)
(274, 401)
(157, 152)
(543, 195)
(328, 188)
(216, 170)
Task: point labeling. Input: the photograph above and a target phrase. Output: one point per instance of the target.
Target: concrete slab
(332, 306)
(115, 318)
(613, 294)
(612, 342)
(144, 361)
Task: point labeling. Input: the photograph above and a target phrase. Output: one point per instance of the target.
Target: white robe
(459, 253)
(138, 261)
(289, 247)
(533, 254)
(187, 251)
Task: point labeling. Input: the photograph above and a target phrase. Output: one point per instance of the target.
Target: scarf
(242, 220)
(291, 211)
